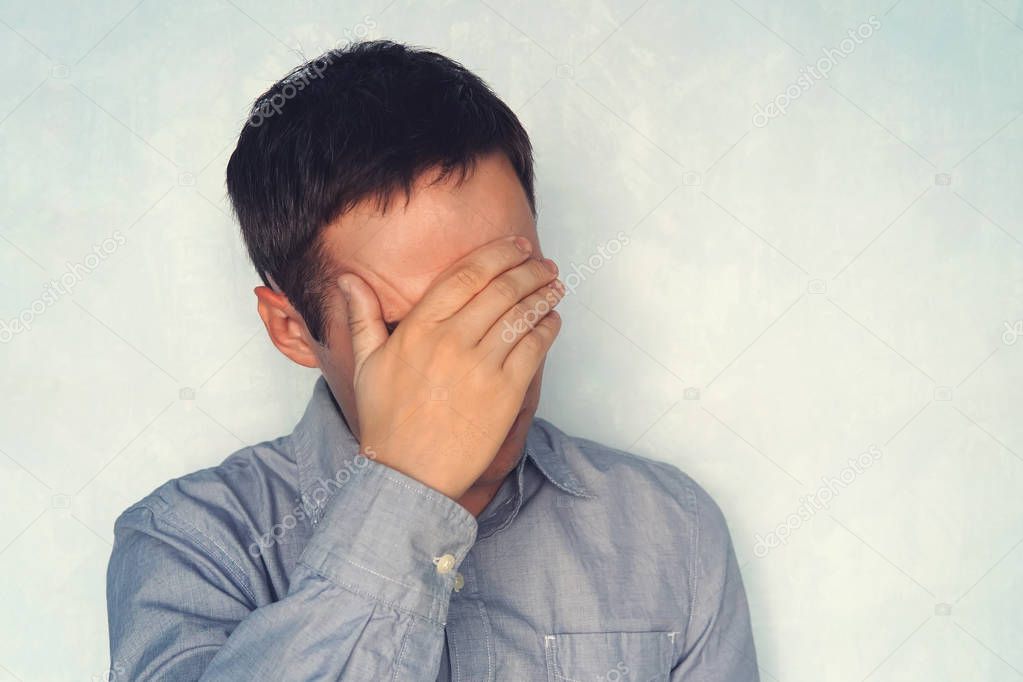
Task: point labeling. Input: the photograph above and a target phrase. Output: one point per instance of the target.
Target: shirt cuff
(387, 536)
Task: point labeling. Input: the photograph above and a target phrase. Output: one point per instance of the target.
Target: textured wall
(798, 228)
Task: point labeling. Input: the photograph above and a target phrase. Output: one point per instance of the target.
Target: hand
(437, 397)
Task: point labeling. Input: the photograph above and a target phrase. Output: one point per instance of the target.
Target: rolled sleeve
(365, 601)
(394, 539)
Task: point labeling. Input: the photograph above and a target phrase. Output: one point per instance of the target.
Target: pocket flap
(609, 656)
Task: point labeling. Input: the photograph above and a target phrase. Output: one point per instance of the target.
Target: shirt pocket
(609, 656)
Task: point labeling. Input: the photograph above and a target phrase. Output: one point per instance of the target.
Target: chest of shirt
(536, 606)
(561, 589)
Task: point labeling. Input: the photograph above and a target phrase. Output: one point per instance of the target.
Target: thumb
(365, 320)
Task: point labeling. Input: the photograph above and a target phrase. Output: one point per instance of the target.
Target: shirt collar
(545, 446)
(325, 451)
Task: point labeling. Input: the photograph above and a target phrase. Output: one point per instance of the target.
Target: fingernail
(524, 244)
(551, 265)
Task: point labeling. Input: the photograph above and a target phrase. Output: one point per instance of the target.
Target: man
(420, 523)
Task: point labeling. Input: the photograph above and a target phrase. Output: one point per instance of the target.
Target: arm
(719, 638)
(365, 600)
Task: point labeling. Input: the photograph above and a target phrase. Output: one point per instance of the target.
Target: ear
(286, 328)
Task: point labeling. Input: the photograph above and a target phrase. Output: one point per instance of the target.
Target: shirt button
(459, 582)
(445, 563)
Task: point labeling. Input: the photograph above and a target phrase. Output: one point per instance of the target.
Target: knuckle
(544, 329)
(518, 311)
(532, 343)
(470, 275)
(357, 327)
(446, 354)
(546, 302)
(503, 288)
(543, 325)
(527, 316)
(535, 311)
(477, 381)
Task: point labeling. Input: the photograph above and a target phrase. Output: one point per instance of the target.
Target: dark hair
(359, 122)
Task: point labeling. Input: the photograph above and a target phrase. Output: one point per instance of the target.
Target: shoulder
(220, 511)
(644, 489)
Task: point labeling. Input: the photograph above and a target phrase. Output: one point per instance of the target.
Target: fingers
(519, 321)
(499, 298)
(526, 356)
(365, 319)
(468, 276)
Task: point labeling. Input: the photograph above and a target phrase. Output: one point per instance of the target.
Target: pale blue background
(791, 295)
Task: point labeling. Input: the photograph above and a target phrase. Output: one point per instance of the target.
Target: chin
(510, 451)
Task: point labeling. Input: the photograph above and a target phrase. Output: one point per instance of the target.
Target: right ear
(285, 327)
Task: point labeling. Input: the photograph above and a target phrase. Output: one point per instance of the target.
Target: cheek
(337, 365)
(336, 359)
(532, 397)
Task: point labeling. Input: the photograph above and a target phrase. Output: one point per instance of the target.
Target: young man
(420, 523)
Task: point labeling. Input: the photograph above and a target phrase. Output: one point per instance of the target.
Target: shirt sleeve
(367, 600)
(719, 638)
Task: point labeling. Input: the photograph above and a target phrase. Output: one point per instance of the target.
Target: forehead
(399, 253)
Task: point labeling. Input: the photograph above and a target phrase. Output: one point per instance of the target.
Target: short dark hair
(359, 122)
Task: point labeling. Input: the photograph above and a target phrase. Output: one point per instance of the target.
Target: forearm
(365, 600)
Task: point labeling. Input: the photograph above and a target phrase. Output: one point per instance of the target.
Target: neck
(476, 499)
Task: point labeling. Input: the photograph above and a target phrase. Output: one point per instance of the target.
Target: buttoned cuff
(392, 538)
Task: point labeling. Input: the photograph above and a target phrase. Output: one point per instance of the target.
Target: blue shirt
(300, 559)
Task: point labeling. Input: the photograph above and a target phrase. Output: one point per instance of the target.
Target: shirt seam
(438, 499)
(454, 513)
(210, 547)
(334, 580)
(693, 576)
(402, 650)
(411, 588)
(571, 484)
(486, 633)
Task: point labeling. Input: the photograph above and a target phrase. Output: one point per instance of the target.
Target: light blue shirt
(300, 559)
